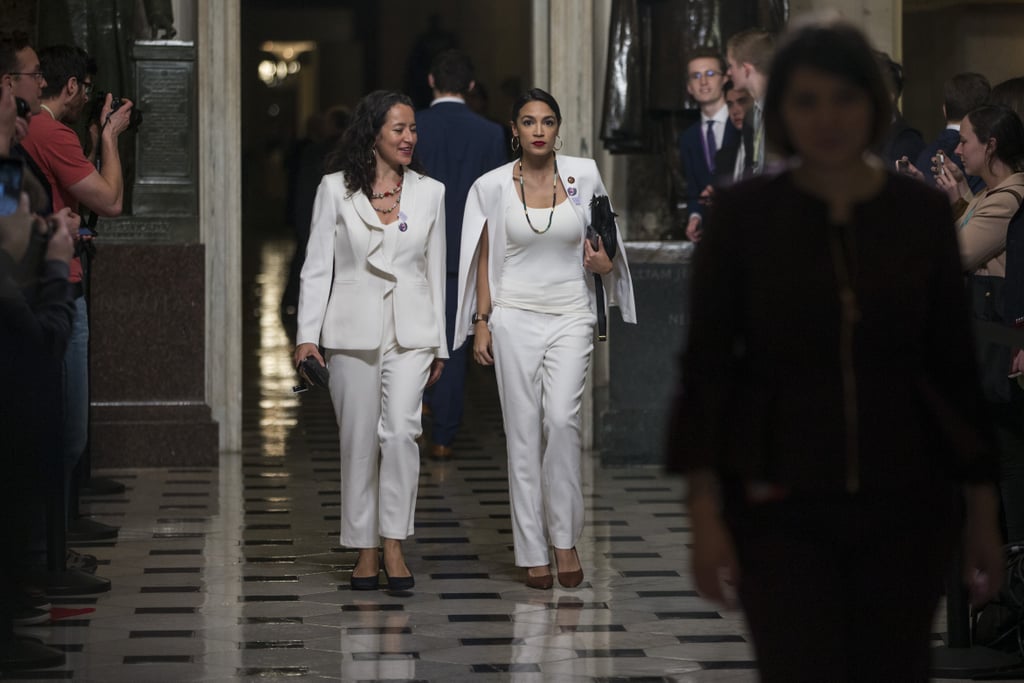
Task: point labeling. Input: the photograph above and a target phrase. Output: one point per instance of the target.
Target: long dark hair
(353, 154)
(1002, 123)
(838, 49)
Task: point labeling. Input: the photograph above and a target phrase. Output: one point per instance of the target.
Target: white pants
(377, 399)
(541, 362)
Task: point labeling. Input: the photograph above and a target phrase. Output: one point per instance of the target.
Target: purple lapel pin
(402, 226)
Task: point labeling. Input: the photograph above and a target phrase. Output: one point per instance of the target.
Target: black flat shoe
(400, 583)
(365, 583)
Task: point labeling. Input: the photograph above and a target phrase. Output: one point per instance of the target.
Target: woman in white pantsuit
(372, 296)
(527, 294)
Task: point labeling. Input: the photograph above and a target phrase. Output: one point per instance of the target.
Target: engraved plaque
(165, 139)
(165, 182)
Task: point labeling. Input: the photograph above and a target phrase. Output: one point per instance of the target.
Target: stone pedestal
(148, 297)
(147, 320)
(643, 359)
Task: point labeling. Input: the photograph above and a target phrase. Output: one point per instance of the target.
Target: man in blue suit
(698, 145)
(961, 93)
(456, 146)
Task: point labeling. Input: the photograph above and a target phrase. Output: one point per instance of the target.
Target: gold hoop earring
(514, 143)
(558, 143)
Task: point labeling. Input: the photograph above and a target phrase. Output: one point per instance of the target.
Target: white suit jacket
(488, 200)
(347, 271)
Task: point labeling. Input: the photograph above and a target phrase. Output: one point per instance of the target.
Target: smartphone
(941, 156)
(23, 107)
(12, 174)
(902, 165)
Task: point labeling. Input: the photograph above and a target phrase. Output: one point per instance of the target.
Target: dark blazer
(457, 146)
(695, 166)
(902, 140)
(762, 397)
(947, 141)
(725, 160)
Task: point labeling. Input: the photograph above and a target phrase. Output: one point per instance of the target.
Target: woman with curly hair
(372, 296)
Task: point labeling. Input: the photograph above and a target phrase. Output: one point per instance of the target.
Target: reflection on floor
(234, 573)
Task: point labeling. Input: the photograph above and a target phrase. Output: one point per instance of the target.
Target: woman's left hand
(596, 261)
(435, 371)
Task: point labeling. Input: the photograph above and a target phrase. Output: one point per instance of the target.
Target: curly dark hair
(353, 154)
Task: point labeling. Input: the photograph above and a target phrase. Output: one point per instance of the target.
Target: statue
(160, 16)
(106, 30)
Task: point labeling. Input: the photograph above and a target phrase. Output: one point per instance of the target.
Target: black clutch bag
(311, 374)
(602, 224)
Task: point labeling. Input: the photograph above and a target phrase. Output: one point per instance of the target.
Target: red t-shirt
(57, 151)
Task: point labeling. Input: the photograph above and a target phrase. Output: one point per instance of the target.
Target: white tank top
(543, 272)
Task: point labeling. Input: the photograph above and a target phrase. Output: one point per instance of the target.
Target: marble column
(220, 210)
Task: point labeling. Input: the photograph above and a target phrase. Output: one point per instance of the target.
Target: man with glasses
(20, 72)
(698, 145)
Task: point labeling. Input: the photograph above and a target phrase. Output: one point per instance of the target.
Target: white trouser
(541, 362)
(377, 399)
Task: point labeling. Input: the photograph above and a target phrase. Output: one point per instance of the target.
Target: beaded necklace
(554, 196)
(389, 193)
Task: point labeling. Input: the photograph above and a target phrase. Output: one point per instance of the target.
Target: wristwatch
(481, 317)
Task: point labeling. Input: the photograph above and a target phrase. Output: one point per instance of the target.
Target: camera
(23, 107)
(96, 110)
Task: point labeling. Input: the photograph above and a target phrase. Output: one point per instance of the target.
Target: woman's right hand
(948, 184)
(304, 351)
(482, 352)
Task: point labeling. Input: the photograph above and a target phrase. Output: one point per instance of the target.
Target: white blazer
(347, 271)
(489, 198)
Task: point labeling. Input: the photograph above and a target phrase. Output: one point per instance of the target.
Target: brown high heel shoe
(573, 578)
(540, 582)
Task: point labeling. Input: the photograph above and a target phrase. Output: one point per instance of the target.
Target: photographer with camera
(55, 150)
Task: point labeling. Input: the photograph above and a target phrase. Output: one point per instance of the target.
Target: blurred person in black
(830, 420)
(35, 323)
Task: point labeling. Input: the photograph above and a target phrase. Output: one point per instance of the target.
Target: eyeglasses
(38, 75)
(87, 87)
(701, 75)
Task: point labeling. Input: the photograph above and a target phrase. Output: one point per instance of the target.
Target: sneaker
(83, 562)
(26, 615)
(24, 653)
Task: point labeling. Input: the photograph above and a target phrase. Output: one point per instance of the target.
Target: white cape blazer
(347, 273)
(487, 202)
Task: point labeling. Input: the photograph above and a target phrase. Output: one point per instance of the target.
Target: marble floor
(234, 572)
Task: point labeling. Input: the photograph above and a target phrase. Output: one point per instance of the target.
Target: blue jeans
(76, 391)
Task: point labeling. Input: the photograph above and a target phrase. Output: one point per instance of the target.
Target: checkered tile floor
(234, 572)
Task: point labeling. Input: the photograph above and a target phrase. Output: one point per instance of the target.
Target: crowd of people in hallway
(45, 400)
(838, 439)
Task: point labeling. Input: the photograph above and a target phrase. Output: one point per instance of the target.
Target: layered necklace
(554, 196)
(397, 190)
